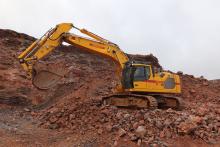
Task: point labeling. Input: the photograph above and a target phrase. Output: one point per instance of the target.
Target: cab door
(154, 82)
(139, 77)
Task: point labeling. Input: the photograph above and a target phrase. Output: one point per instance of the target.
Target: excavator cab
(143, 77)
(135, 75)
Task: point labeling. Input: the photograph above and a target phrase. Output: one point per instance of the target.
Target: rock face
(74, 104)
(15, 88)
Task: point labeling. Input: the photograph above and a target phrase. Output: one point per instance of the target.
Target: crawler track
(143, 101)
(131, 100)
(167, 101)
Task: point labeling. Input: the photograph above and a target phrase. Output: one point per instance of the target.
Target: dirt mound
(150, 59)
(74, 104)
(199, 119)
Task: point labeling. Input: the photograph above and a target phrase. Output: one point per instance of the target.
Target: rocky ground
(71, 113)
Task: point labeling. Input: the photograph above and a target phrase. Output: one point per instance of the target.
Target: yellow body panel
(155, 85)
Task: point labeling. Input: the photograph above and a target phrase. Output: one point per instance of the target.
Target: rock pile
(151, 126)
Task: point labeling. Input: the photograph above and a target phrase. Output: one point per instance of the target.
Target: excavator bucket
(47, 77)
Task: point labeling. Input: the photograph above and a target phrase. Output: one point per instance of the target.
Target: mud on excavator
(142, 85)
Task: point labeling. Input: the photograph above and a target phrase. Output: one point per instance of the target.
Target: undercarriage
(149, 101)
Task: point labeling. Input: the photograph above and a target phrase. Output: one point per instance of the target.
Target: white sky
(183, 34)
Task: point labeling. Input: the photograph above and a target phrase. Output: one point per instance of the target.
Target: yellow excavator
(142, 85)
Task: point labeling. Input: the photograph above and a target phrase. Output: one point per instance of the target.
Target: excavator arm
(54, 37)
(43, 46)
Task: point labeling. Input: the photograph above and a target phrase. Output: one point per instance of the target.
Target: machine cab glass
(135, 76)
(141, 73)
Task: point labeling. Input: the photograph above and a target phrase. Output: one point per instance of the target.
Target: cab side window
(147, 71)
